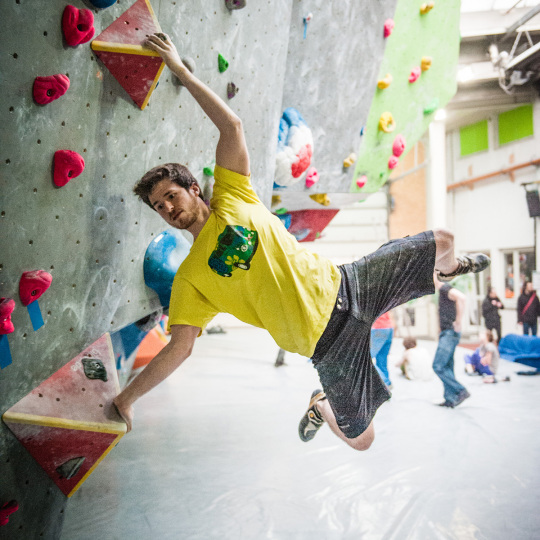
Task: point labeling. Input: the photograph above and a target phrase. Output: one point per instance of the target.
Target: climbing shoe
(467, 263)
(312, 420)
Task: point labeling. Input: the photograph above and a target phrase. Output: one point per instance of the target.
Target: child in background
(485, 360)
(416, 361)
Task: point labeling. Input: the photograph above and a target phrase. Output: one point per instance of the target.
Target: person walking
(452, 305)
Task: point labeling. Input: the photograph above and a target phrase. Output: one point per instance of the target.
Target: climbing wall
(330, 79)
(91, 234)
(416, 78)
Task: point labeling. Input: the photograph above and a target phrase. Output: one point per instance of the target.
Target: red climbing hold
(6, 510)
(415, 73)
(33, 284)
(399, 145)
(303, 159)
(312, 177)
(47, 89)
(77, 25)
(388, 27)
(392, 162)
(67, 165)
(7, 305)
(361, 182)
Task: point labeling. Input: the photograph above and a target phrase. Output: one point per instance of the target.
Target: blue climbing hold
(162, 259)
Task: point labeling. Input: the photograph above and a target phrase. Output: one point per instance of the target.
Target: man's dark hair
(175, 172)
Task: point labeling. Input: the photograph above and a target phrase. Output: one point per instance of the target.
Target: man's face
(529, 288)
(176, 205)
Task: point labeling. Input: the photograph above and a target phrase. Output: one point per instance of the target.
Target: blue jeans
(531, 327)
(443, 364)
(381, 341)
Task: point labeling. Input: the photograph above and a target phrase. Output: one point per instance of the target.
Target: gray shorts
(397, 272)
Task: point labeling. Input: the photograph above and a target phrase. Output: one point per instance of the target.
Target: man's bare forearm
(161, 366)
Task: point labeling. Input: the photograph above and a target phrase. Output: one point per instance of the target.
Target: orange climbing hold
(425, 64)
(386, 122)
(426, 7)
(385, 82)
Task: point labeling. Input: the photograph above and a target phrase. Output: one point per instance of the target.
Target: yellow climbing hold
(276, 199)
(347, 162)
(426, 63)
(385, 82)
(426, 7)
(321, 198)
(386, 122)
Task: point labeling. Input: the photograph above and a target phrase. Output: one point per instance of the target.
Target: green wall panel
(473, 138)
(516, 124)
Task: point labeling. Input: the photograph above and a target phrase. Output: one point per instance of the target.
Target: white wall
(493, 215)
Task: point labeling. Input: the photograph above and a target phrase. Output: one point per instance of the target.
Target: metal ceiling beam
(511, 29)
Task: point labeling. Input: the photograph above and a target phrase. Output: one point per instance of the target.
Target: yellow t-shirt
(244, 262)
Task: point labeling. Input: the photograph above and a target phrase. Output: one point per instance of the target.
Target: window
(516, 124)
(518, 263)
(474, 138)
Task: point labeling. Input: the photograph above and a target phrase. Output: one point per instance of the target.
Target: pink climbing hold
(361, 181)
(33, 284)
(303, 159)
(388, 27)
(6, 510)
(47, 89)
(415, 73)
(312, 177)
(399, 145)
(392, 162)
(67, 165)
(77, 25)
(7, 305)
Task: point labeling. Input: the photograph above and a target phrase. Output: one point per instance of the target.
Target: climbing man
(244, 262)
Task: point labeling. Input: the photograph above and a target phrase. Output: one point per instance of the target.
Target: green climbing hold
(208, 171)
(222, 63)
(432, 107)
(281, 211)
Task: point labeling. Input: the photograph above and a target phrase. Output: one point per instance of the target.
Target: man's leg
(362, 442)
(446, 263)
(526, 327)
(443, 365)
(381, 342)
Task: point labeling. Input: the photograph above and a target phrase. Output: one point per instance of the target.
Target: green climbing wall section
(434, 34)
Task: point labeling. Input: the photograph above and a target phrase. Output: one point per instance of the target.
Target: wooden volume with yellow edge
(120, 49)
(69, 423)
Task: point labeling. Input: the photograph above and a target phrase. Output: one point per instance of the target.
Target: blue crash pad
(522, 349)
(161, 261)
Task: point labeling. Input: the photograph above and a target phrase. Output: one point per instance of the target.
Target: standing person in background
(451, 309)
(490, 312)
(382, 332)
(528, 309)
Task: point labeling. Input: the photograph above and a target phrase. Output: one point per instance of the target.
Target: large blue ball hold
(102, 4)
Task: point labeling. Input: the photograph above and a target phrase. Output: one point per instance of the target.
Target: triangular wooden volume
(70, 416)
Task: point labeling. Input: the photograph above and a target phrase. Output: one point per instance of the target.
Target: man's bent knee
(364, 441)
(444, 237)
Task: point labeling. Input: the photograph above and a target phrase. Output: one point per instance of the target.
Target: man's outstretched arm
(161, 366)
(231, 151)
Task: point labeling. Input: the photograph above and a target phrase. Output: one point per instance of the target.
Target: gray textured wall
(331, 78)
(91, 235)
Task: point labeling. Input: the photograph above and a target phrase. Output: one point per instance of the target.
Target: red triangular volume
(135, 73)
(68, 423)
(132, 26)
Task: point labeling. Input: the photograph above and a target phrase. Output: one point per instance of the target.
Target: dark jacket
(491, 312)
(533, 311)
